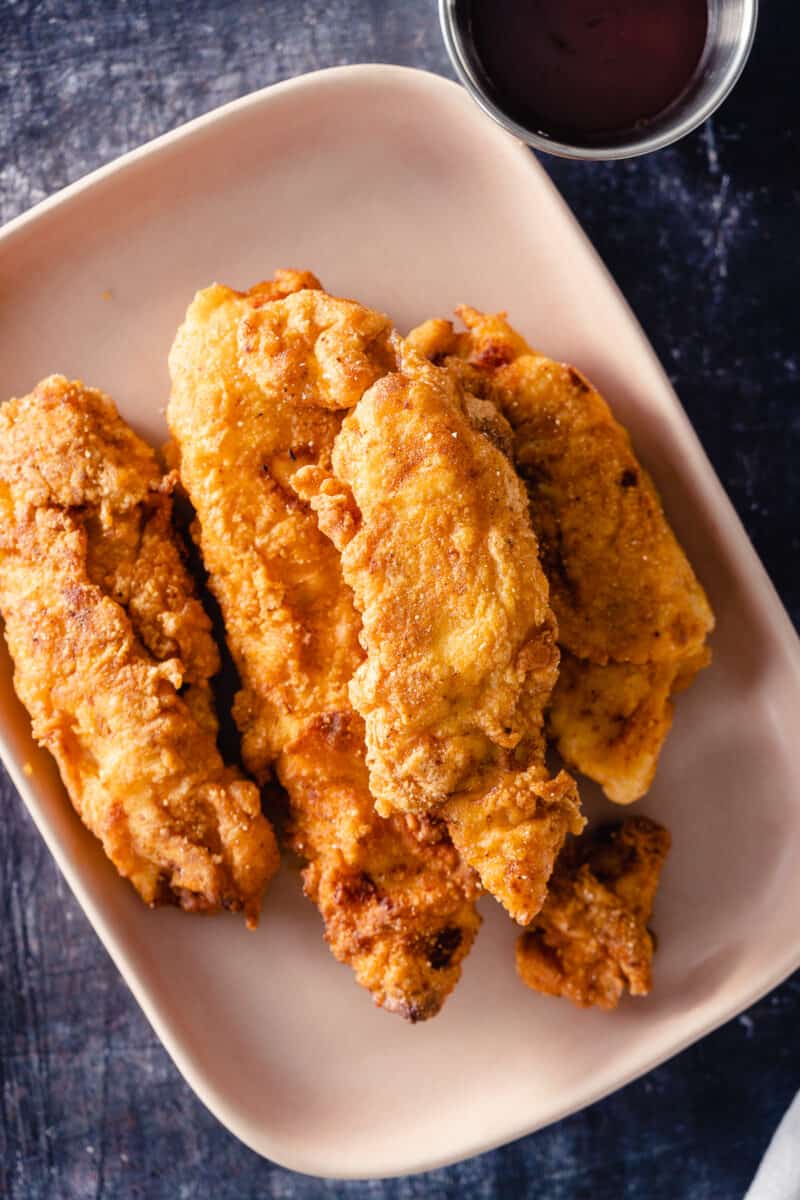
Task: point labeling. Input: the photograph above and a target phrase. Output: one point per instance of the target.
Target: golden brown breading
(622, 589)
(243, 416)
(113, 653)
(255, 378)
(611, 720)
(436, 543)
(396, 900)
(591, 941)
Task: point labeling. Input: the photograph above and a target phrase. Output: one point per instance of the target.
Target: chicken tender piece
(395, 897)
(632, 616)
(433, 530)
(611, 720)
(590, 941)
(257, 378)
(244, 416)
(113, 654)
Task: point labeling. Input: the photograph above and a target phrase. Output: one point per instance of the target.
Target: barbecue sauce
(579, 70)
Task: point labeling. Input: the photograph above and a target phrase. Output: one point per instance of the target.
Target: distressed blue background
(703, 239)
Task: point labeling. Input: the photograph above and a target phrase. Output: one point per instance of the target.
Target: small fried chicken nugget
(590, 941)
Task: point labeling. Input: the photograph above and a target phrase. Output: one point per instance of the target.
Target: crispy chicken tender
(611, 720)
(632, 616)
(590, 941)
(433, 530)
(113, 653)
(257, 378)
(396, 899)
(244, 418)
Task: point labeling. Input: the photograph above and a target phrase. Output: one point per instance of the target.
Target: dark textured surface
(704, 241)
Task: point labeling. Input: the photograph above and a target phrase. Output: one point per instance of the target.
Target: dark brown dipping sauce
(581, 69)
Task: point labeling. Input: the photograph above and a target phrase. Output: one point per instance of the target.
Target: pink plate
(393, 187)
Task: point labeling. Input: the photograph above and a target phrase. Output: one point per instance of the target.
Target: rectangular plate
(392, 187)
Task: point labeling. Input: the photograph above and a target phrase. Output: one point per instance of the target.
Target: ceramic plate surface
(393, 187)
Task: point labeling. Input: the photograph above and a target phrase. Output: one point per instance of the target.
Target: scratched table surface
(703, 238)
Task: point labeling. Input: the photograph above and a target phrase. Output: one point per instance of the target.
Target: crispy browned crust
(397, 902)
(631, 614)
(433, 528)
(246, 370)
(611, 720)
(113, 653)
(590, 941)
(258, 378)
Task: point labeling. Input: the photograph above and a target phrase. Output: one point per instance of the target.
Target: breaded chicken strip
(113, 653)
(611, 720)
(435, 539)
(257, 381)
(396, 899)
(632, 616)
(591, 940)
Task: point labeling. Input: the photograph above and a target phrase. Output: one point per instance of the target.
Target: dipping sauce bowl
(598, 79)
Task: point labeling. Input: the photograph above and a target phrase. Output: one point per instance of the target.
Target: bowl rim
(634, 147)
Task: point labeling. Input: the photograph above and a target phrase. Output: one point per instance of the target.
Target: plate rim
(697, 463)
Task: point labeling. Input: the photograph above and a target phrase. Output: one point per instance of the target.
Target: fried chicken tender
(244, 415)
(396, 900)
(632, 616)
(432, 525)
(260, 381)
(590, 941)
(611, 720)
(113, 653)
